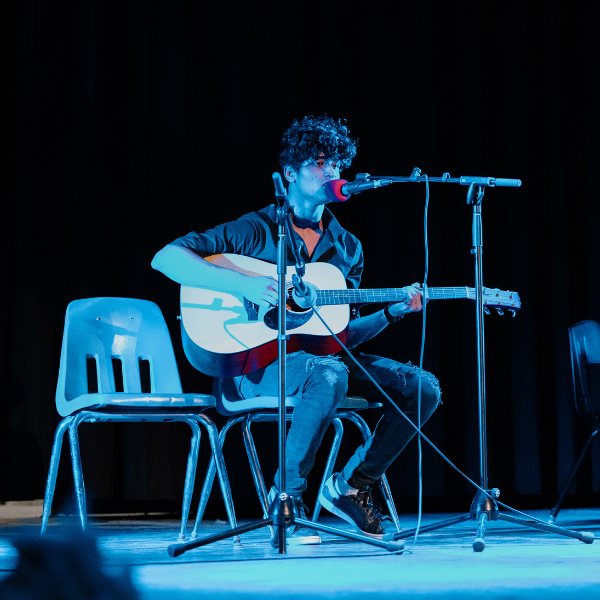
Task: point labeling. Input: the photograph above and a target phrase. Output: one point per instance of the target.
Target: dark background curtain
(128, 124)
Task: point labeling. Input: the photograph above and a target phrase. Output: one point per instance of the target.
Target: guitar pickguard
(293, 320)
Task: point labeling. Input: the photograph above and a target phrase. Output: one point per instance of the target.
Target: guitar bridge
(251, 310)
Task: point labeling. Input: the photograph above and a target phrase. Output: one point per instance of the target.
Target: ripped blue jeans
(323, 382)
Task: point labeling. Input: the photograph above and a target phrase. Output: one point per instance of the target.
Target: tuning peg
(486, 310)
(514, 313)
(499, 311)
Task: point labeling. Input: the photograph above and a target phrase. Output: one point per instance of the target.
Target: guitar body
(225, 336)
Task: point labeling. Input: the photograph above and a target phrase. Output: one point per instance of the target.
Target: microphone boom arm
(416, 177)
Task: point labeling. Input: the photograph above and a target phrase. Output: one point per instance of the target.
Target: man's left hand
(413, 303)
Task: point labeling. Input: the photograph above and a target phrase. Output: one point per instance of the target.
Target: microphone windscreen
(333, 190)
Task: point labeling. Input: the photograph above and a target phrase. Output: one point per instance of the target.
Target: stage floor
(517, 562)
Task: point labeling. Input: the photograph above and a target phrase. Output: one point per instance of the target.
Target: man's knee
(431, 392)
(328, 373)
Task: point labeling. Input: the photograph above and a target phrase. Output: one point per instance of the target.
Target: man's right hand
(261, 290)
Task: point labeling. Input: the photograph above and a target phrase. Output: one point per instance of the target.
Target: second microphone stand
(484, 507)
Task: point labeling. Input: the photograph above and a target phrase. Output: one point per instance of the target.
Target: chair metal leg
(53, 470)
(213, 436)
(210, 476)
(259, 480)
(257, 475)
(190, 474)
(554, 512)
(383, 483)
(335, 448)
(76, 464)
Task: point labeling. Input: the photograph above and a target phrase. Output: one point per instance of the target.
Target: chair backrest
(113, 333)
(584, 338)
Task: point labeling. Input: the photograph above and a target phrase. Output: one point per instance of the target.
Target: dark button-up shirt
(255, 235)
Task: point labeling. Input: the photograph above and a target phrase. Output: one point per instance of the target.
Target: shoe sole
(303, 541)
(306, 540)
(327, 502)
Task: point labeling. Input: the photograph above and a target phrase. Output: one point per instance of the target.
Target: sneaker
(357, 508)
(295, 534)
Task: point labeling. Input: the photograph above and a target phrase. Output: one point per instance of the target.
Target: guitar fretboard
(363, 296)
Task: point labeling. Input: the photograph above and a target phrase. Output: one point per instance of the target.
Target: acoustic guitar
(225, 335)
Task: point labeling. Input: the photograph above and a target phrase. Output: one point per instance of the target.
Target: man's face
(311, 177)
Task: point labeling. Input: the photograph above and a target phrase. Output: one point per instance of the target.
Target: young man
(314, 151)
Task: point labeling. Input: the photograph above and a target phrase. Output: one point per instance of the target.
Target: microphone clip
(360, 177)
(416, 172)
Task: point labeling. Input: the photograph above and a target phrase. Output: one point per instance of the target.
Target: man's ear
(289, 173)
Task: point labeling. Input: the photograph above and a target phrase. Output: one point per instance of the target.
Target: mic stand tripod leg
(387, 544)
(479, 543)
(483, 509)
(179, 549)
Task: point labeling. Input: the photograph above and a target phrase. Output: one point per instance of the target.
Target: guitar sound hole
(293, 320)
(295, 317)
(291, 305)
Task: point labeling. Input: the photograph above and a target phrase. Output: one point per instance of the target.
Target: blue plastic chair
(264, 408)
(113, 332)
(584, 341)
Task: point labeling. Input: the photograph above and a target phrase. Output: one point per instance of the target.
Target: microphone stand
(484, 507)
(282, 512)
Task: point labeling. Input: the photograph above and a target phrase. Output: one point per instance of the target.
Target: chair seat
(149, 401)
(357, 403)
(272, 403)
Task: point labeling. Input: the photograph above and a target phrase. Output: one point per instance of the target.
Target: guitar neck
(363, 296)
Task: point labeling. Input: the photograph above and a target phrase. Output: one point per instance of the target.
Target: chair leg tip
(587, 537)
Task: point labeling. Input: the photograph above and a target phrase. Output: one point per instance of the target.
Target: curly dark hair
(314, 136)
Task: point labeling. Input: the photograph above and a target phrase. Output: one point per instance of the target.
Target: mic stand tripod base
(282, 514)
(484, 509)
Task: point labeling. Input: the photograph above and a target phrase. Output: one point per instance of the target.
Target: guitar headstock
(499, 299)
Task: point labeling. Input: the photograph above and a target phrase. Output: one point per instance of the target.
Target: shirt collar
(331, 223)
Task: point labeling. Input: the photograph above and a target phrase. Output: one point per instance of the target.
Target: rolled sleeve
(235, 237)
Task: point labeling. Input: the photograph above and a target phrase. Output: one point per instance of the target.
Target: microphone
(499, 182)
(280, 191)
(304, 295)
(490, 181)
(339, 190)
